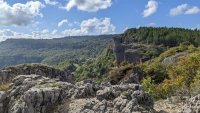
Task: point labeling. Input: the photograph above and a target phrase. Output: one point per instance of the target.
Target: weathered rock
(118, 49)
(133, 56)
(193, 105)
(125, 52)
(33, 94)
(7, 74)
(172, 59)
(85, 89)
(3, 96)
(39, 94)
(135, 77)
(129, 50)
(120, 99)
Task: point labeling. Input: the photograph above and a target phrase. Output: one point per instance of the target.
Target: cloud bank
(88, 5)
(19, 14)
(184, 9)
(92, 26)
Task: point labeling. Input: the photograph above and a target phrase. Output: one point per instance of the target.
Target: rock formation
(193, 105)
(128, 50)
(46, 94)
(7, 74)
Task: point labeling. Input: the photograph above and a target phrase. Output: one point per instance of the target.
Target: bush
(170, 79)
(96, 68)
(5, 86)
(119, 73)
(195, 86)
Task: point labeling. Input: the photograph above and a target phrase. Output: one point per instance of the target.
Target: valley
(141, 70)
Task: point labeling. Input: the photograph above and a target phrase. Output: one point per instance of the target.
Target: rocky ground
(35, 93)
(39, 94)
(167, 106)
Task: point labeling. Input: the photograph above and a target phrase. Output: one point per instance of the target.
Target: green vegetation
(96, 68)
(51, 51)
(165, 80)
(173, 66)
(163, 36)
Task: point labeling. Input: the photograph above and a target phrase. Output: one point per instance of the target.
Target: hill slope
(51, 51)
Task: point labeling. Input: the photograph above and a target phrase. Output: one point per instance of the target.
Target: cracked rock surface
(40, 94)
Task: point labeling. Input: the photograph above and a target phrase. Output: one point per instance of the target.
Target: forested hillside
(166, 36)
(140, 46)
(51, 51)
(172, 72)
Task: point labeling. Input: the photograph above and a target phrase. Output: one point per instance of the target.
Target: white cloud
(19, 14)
(62, 22)
(45, 31)
(88, 5)
(43, 34)
(7, 34)
(193, 10)
(151, 8)
(54, 32)
(178, 10)
(184, 9)
(51, 2)
(92, 26)
(73, 32)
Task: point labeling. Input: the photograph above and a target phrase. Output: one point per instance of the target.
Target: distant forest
(166, 36)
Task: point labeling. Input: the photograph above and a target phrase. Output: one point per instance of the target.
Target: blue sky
(57, 18)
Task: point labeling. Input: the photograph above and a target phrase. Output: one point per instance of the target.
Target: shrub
(178, 78)
(5, 86)
(119, 73)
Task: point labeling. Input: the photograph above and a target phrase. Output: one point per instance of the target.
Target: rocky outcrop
(135, 76)
(40, 94)
(7, 74)
(114, 99)
(33, 94)
(173, 58)
(125, 52)
(119, 49)
(128, 50)
(193, 105)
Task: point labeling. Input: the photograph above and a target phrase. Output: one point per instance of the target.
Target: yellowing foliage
(5, 86)
(184, 73)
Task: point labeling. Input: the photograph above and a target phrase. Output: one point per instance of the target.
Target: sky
(45, 19)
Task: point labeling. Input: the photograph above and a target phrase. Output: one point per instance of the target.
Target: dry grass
(5, 86)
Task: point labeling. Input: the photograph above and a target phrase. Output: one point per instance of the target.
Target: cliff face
(126, 50)
(129, 50)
